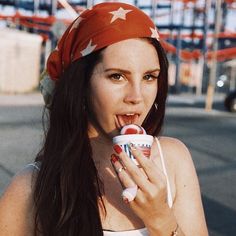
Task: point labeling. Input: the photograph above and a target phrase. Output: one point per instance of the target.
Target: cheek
(102, 99)
(97, 98)
(150, 94)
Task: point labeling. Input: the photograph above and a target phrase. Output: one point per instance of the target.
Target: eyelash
(152, 77)
(115, 75)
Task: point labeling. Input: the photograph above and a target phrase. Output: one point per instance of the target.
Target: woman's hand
(150, 203)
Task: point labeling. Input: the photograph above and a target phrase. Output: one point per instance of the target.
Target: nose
(133, 93)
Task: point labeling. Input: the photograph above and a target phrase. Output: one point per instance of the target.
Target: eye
(116, 76)
(150, 77)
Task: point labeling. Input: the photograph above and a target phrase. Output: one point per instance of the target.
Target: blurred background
(199, 37)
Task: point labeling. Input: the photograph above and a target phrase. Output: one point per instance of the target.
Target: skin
(118, 92)
(125, 84)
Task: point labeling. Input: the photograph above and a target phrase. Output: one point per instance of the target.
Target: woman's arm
(187, 206)
(16, 208)
(150, 203)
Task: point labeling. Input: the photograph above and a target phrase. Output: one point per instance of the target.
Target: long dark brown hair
(67, 188)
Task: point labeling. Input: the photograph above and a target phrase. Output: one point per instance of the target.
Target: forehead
(131, 53)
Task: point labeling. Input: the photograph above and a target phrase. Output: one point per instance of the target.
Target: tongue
(127, 120)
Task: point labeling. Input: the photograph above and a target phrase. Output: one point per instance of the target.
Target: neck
(102, 147)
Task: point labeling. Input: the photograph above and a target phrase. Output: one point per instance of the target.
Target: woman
(108, 70)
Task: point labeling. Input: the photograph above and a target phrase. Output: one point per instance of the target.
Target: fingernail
(114, 158)
(117, 148)
(132, 146)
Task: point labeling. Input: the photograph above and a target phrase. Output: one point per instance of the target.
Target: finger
(154, 174)
(134, 172)
(120, 170)
(126, 160)
(155, 156)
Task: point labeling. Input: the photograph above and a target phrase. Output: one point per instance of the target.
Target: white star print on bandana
(154, 33)
(119, 14)
(103, 25)
(88, 49)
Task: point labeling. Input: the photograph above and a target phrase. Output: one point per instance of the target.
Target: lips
(127, 119)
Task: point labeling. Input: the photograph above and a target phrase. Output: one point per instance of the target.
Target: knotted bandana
(96, 28)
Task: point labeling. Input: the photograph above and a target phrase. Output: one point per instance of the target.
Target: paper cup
(142, 141)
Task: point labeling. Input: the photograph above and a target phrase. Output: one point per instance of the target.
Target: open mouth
(127, 119)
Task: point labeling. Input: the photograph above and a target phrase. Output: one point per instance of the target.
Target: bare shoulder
(187, 205)
(175, 150)
(177, 158)
(16, 204)
(179, 163)
(20, 186)
(171, 141)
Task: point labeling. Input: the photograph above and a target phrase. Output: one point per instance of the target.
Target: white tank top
(136, 232)
(143, 231)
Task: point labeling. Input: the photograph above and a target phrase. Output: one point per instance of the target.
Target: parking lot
(210, 137)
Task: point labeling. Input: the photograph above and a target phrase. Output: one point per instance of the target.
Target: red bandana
(96, 28)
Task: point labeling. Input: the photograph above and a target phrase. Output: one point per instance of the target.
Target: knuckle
(142, 200)
(152, 194)
(163, 184)
(121, 177)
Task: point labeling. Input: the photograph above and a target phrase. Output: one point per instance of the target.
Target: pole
(171, 20)
(53, 7)
(90, 3)
(212, 78)
(193, 24)
(207, 8)
(68, 8)
(153, 13)
(36, 7)
(17, 5)
(178, 49)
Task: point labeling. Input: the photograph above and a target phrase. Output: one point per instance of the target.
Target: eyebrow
(128, 72)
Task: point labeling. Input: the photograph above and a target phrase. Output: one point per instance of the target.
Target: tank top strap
(169, 196)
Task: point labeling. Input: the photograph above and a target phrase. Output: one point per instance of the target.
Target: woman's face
(124, 84)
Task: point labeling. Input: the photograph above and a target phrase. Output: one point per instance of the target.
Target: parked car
(230, 101)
